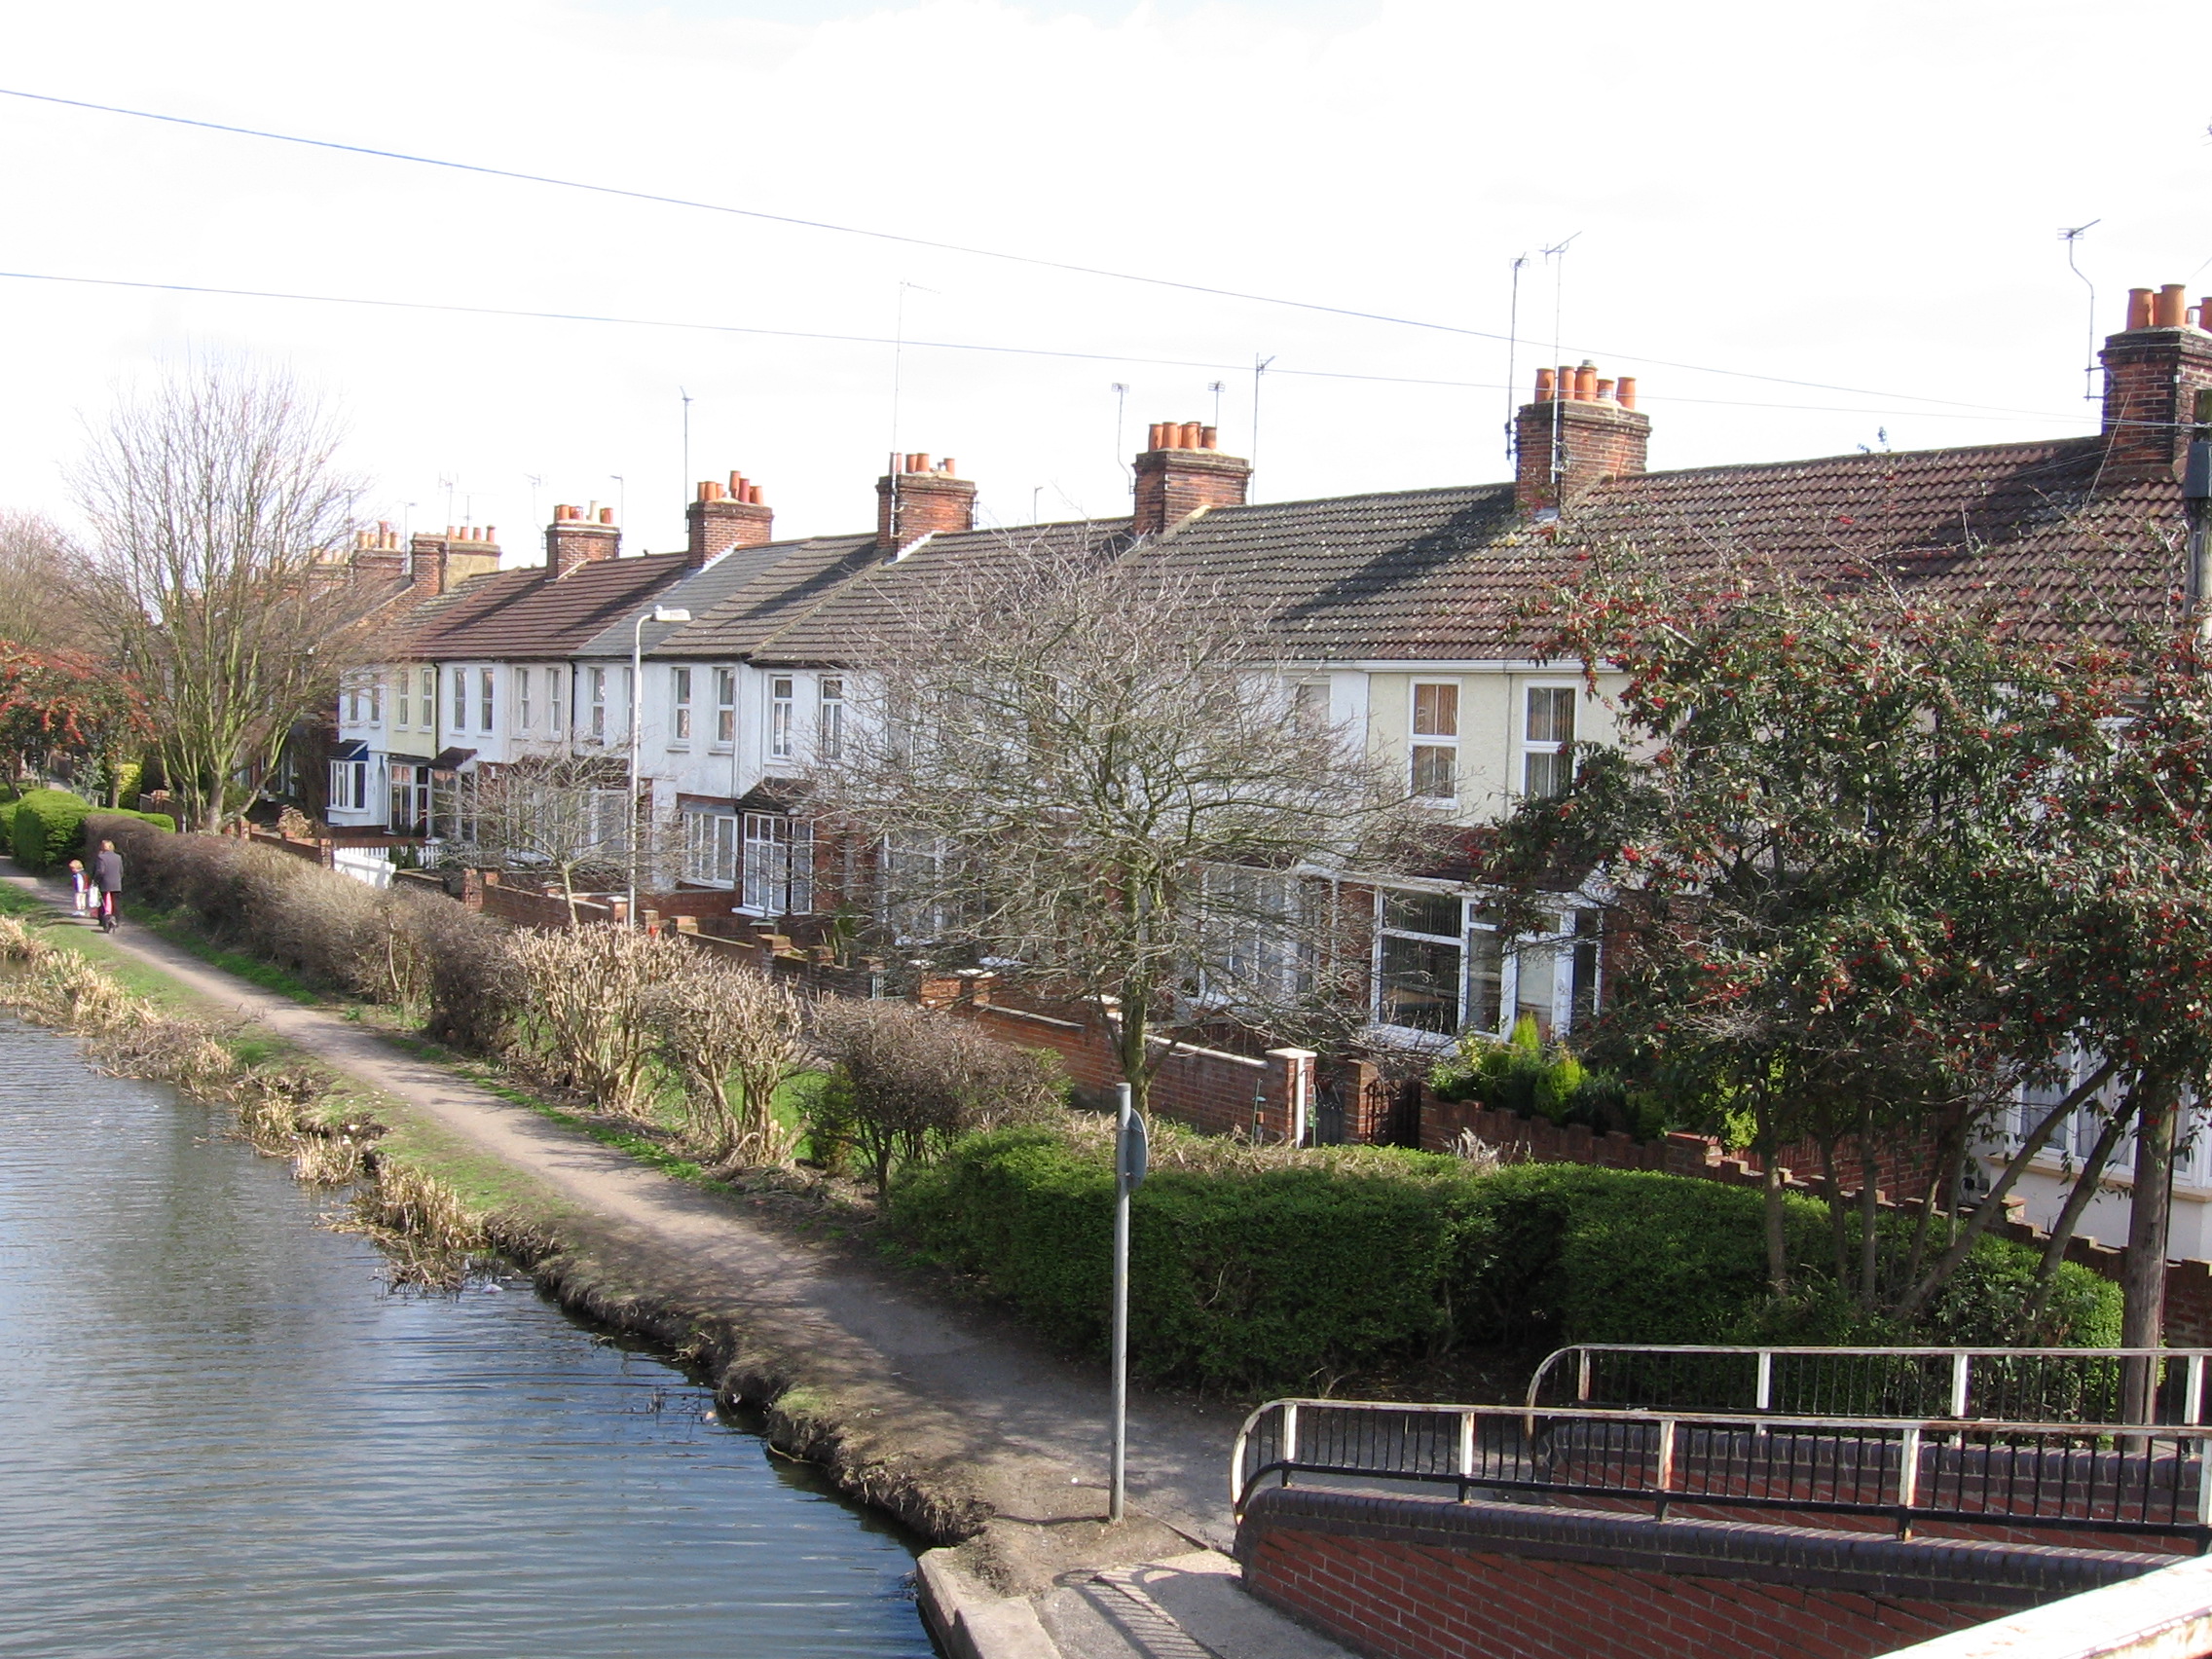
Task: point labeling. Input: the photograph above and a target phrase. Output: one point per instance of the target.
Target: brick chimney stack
(919, 497)
(2155, 371)
(579, 536)
(378, 554)
(436, 563)
(720, 519)
(1580, 431)
(1182, 472)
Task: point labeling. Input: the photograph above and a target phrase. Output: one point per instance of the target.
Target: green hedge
(1263, 1276)
(47, 827)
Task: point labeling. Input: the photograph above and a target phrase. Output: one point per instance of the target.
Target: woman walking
(107, 870)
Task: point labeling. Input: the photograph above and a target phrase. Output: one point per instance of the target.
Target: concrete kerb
(969, 1621)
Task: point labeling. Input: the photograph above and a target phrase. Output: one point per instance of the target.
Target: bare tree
(214, 501)
(41, 574)
(1100, 777)
(565, 817)
(591, 989)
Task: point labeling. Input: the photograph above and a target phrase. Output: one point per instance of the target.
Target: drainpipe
(2196, 503)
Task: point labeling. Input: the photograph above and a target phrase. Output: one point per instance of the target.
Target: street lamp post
(658, 613)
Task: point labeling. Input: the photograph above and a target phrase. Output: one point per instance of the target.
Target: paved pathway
(968, 1361)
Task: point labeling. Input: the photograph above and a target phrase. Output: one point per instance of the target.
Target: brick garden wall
(1429, 1578)
(1205, 1089)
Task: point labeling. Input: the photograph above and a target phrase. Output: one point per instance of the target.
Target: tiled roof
(1449, 573)
(526, 613)
(761, 589)
(866, 598)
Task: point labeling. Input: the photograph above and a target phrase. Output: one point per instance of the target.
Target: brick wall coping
(1956, 1571)
(2162, 1615)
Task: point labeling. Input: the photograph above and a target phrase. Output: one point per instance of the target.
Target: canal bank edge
(1015, 1519)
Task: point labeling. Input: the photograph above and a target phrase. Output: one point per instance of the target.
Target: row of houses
(1403, 613)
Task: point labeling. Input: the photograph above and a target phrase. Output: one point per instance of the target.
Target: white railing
(2093, 1477)
(1991, 1383)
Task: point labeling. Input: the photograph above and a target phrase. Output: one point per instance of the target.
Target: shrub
(47, 828)
(905, 1080)
(591, 989)
(1255, 1267)
(396, 947)
(731, 1035)
(1537, 1080)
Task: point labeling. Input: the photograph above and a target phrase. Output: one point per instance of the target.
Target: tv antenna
(534, 483)
(687, 397)
(2071, 238)
(1216, 388)
(1121, 404)
(1259, 368)
(1512, 354)
(1555, 255)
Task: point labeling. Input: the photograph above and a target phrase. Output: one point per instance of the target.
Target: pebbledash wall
(1400, 1577)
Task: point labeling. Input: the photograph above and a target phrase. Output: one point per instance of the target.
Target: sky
(1804, 229)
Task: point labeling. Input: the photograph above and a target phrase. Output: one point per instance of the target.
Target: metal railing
(1988, 1383)
(2095, 1477)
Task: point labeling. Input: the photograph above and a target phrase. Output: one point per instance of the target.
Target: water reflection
(221, 1435)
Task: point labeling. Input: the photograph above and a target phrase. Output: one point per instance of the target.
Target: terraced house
(1400, 616)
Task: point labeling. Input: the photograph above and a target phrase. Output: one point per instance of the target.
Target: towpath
(1031, 1422)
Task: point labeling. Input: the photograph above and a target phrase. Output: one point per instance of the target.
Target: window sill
(722, 749)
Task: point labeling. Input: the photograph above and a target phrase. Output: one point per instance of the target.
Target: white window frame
(403, 701)
(725, 709)
(556, 701)
(1454, 984)
(710, 848)
(1498, 970)
(679, 705)
(779, 864)
(1555, 753)
(783, 704)
(1426, 750)
(460, 709)
(1309, 713)
(598, 682)
(487, 705)
(829, 716)
(376, 701)
(522, 699)
(429, 681)
(349, 786)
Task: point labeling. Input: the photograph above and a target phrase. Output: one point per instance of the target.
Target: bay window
(779, 864)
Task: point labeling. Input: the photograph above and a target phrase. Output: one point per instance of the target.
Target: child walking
(83, 883)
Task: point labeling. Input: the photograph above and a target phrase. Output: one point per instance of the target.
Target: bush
(906, 1080)
(1537, 1080)
(47, 828)
(396, 947)
(1254, 1268)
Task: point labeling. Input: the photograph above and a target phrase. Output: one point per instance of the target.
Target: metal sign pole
(1130, 1160)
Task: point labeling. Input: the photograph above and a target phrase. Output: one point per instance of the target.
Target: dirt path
(955, 1394)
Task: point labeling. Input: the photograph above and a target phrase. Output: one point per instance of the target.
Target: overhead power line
(1983, 411)
(1068, 266)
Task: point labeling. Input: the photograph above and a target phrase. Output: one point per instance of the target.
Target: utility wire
(1986, 412)
(940, 246)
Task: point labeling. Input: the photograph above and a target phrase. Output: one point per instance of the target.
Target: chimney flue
(2171, 309)
(1184, 472)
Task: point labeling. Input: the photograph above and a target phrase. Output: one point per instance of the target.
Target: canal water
(221, 1434)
